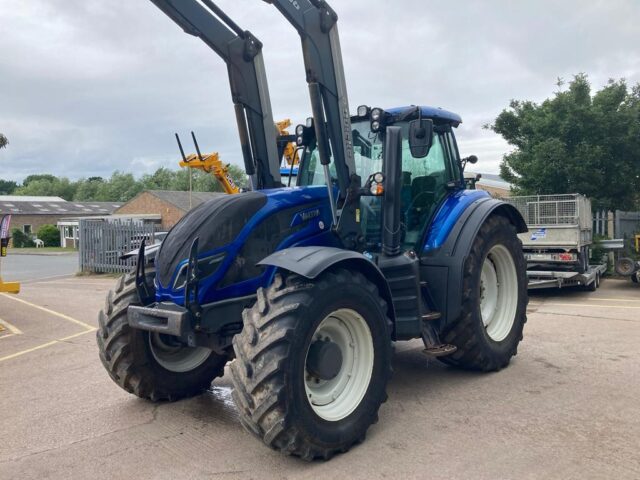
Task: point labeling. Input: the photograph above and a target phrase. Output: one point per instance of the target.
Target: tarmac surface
(567, 407)
(21, 267)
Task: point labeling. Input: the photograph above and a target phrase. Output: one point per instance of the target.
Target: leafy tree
(47, 185)
(40, 176)
(576, 142)
(7, 187)
(3, 141)
(162, 179)
(121, 187)
(50, 235)
(88, 189)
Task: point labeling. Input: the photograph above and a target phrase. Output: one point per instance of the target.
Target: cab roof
(435, 113)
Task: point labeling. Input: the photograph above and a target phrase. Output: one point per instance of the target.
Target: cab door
(426, 182)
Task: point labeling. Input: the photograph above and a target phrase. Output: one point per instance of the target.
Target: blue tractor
(304, 289)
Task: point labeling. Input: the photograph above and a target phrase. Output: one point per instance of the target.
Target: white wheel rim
(335, 399)
(498, 293)
(174, 357)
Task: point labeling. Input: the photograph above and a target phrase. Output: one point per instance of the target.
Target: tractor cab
(426, 180)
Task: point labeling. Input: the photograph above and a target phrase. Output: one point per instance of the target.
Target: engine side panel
(288, 217)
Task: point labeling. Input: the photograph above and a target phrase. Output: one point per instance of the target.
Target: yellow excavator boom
(211, 163)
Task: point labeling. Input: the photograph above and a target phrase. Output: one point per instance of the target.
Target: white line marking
(12, 328)
(590, 305)
(45, 345)
(52, 312)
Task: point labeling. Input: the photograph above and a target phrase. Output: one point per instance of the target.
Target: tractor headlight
(300, 130)
(376, 114)
(363, 111)
(206, 266)
(375, 127)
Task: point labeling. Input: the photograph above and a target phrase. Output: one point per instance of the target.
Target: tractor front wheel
(150, 365)
(312, 363)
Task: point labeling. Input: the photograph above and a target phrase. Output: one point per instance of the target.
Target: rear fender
(443, 268)
(311, 262)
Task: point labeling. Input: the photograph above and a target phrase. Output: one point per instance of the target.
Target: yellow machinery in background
(6, 287)
(209, 163)
(290, 150)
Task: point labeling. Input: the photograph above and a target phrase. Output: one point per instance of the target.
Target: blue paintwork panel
(430, 112)
(448, 215)
(277, 200)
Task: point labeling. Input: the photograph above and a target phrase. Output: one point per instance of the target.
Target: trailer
(557, 244)
(562, 279)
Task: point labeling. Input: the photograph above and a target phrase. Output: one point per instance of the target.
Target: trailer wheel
(312, 363)
(150, 365)
(493, 315)
(583, 258)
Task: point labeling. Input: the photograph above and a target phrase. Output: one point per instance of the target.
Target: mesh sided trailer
(560, 232)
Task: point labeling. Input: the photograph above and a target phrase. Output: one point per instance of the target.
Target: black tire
(126, 353)
(270, 366)
(625, 267)
(593, 286)
(476, 349)
(634, 278)
(583, 258)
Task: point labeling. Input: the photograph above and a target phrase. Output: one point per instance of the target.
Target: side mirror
(420, 137)
(472, 159)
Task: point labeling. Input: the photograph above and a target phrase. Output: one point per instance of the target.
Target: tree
(121, 187)
(3, 141)
(47, 185)
(576, 142)
(50, 235)
(88, 189)
(7, 187)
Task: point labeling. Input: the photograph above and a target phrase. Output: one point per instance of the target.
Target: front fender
(443, 268)
(310, 262)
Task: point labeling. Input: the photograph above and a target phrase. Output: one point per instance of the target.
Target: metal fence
(103, 242)
(537, 210)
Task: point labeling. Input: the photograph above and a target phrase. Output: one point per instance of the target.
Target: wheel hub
(324, 359)
(338, 365)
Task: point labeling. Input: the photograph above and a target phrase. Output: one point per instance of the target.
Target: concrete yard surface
(566, 408)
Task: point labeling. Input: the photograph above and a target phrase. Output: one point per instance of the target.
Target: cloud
(87, 86)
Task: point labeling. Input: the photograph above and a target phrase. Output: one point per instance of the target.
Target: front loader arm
(242, 53)
(315, 21)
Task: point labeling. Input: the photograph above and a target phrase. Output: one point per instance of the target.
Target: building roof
(29, 198)
(17, 205)
(181, 199)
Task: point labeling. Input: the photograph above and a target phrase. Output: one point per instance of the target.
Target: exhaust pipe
(392, 186)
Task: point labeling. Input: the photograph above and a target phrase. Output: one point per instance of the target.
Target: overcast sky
(87, 86)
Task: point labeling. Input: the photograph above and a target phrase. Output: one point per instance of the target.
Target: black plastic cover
(216, 222)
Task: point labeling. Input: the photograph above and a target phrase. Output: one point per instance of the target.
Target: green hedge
(50, 235)
(21, 239)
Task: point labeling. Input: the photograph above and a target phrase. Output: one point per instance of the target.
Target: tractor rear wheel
(312, 363)
(494, 302)
(150, 365)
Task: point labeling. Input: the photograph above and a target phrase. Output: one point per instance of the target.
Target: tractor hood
(234, 233)
(215, 223)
